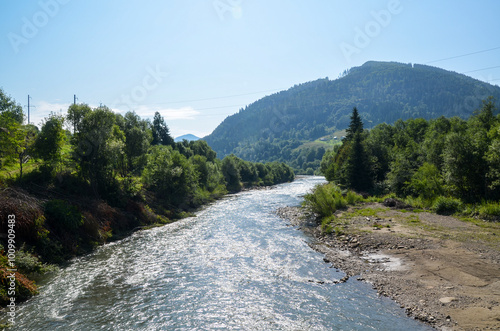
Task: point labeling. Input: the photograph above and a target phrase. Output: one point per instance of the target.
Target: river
(236, 265)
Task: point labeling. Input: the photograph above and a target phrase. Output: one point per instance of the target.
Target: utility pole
(74, 99)
(29, 109)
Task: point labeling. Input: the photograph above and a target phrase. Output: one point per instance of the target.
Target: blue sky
(198, 61)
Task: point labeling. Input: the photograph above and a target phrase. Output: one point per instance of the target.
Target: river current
(236, 265)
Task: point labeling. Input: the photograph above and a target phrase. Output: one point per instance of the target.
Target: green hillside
(278, 127)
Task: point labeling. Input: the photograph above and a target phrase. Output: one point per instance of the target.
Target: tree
(427, 182)
(9, 136)
(493, 159)
(91, 151)
(161, 135)
(49, 142)
(231, 173)
(351, 166)
(356, 125)
(170, 175)
(8, 105)
(137, 141)
(357, 174)
(463, 167)
(327, 165)
(25, 139)
(76, 113)
(200, 147)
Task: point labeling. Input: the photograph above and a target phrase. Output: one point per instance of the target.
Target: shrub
(64, 215)
(490, 210)
(447, 206)
(352, 197)
(325, 200)
(30, 264)
(418, 202)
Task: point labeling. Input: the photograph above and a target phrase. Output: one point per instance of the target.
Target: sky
(199, 61)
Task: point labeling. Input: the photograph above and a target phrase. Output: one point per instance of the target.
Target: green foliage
(170, 175)
(138, 138)
(463, 166)
(30, 264)
(76, 113)
(92, 146)
(9, 107)
(422, 160)
(325, 200)
(353, 198)
(356, 125)
(427, 182)
(61, 214)
(50, 140)
(328, 223)
(231, 173)
(349, 165)
(447, 206)
(160, 132)
(490, 210)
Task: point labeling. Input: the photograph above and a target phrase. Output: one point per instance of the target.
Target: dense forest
(279, 127)
(95, 175)
(449, 165)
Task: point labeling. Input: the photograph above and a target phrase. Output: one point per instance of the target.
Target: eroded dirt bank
(442, 270)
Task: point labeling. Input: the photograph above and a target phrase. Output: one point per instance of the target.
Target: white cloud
(42, 109)
(47, 107)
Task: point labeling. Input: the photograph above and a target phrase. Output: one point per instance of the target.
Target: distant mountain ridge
(188, 137)
(273, 127)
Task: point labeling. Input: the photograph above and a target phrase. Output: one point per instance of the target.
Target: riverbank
(442, 270)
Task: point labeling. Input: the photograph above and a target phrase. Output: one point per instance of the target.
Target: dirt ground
(444, 271)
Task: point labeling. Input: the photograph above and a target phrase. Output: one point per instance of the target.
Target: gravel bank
(417, 259)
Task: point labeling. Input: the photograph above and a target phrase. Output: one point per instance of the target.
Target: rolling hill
(276, 127)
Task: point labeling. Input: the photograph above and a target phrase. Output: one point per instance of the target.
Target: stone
(447, 299)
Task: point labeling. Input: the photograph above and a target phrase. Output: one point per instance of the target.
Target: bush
(352, 197)
(490, 210)
(64, 215)
(325, 200)
(447, 206)
(30, 264)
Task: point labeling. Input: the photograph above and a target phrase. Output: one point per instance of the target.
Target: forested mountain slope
(273, 127)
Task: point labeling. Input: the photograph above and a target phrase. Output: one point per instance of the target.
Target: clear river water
(236, 265)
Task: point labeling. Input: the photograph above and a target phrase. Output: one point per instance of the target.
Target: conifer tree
(351, 164)
(356, 125)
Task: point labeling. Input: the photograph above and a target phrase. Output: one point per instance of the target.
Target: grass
(332, 224)
(365, 212)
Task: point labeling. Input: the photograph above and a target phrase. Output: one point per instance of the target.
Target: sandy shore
(441, 270)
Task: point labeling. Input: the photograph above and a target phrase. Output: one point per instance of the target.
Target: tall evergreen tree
(357, 169)
(356, 125)
(161, 135)
(351, 163)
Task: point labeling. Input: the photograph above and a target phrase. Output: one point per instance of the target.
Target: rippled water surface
(234, 266)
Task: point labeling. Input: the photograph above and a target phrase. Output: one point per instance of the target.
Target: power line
(222, 97)
(463, 55)
(480, 69)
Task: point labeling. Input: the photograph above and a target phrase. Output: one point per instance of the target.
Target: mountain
(188, 137)
(297, 125)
